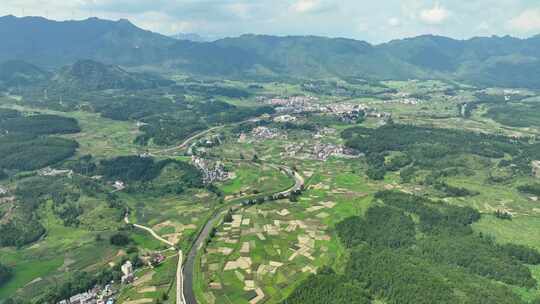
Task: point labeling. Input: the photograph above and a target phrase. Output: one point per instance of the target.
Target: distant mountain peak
(56, 43)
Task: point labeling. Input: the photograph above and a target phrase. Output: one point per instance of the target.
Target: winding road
(184, 275)
(185, 143)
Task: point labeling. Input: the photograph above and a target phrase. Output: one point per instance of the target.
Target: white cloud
(162, 23)
(434, 15)
(240, 10)
(394, 21)
(313, 6)
(527, 21)
(305, 6)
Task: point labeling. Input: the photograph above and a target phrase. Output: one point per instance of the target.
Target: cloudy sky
(374, 21)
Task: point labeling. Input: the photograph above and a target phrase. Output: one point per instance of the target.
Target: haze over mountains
(491, 61)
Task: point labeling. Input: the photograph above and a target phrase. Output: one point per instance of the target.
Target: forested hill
(93, 75)
(489, 61)
(52, 44)
(19, 73)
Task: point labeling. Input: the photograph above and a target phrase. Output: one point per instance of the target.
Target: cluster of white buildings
(263, 133)
(285, 118)
(93, 296)
(294, 104)
(291, 101)
(119, 185)
(212, 171)
(325, 151)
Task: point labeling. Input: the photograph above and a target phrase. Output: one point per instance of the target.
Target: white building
(127, 271)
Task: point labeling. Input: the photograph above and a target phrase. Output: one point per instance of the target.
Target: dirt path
(179, 271)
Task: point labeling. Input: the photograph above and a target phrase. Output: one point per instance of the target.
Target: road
(184, 276)
(189, 267)
(186, 142)
(179, 273)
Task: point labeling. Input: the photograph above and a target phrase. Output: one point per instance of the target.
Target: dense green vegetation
(328, 288)
(530, 189)
(23, 228)
(397, 230)
(90, 75)
(145, 169)
(24, 225)
(409, 249)
(168, 129)
(120, 239)
(426, 145)
(28, 153)
(24, 145)
(400, 277)
(442, 152)
(131, 168)
(166, 116)
(40, 125)
(522, 115)
(16, 73)
(5, 274)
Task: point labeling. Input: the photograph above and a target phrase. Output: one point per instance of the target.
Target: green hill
(52, 44)
(92, 75)
(19, 73)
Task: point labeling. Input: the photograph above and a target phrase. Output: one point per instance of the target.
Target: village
(347, 112)
(212, 171)
(108, 293)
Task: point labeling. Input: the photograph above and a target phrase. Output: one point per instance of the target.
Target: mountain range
(485, 61)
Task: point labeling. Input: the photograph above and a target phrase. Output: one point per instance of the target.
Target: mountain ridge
(484, 61)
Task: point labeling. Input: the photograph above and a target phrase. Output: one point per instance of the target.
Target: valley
(266, 170)
(243, 237)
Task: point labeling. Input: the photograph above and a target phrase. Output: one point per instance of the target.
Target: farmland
(411, 139)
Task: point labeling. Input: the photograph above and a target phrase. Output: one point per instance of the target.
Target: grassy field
(100, 137)
(62, 251)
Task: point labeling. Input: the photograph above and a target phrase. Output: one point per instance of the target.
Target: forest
(23, 152)
(25, 144)
(168, 129)
(410, 249)
(409, 149)
(39, 125)
(146, 169)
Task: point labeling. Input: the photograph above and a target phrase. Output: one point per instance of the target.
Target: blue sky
(373, 21)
